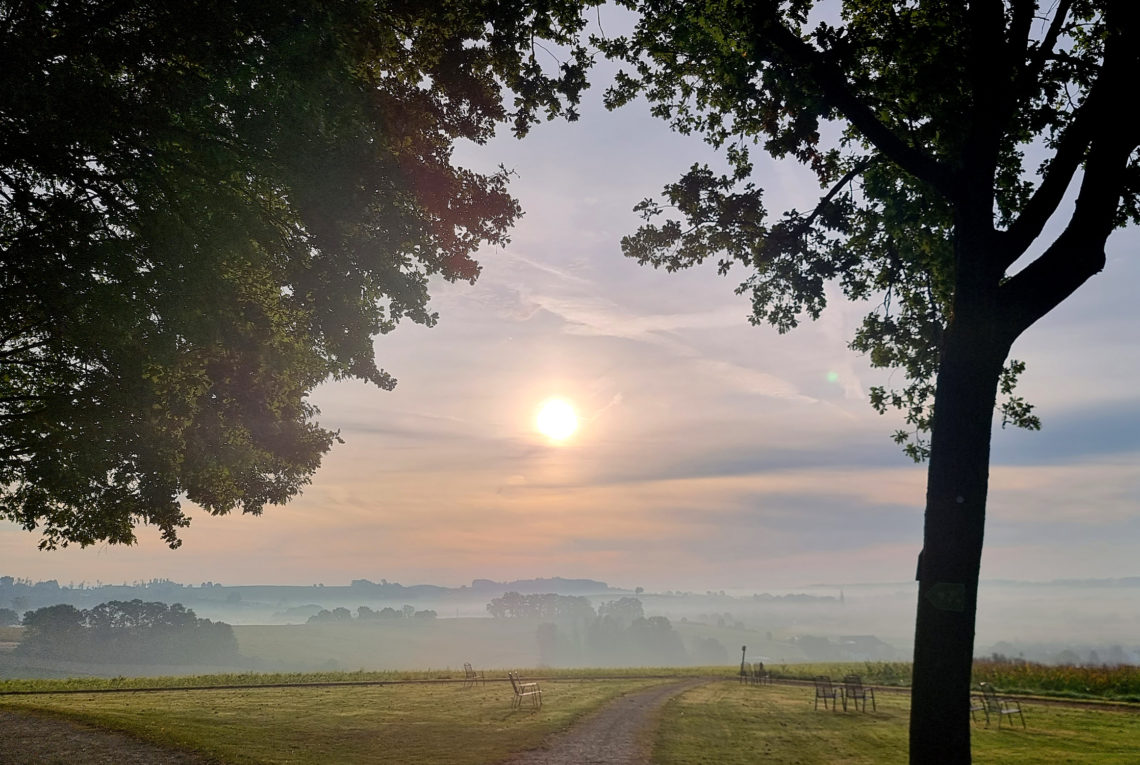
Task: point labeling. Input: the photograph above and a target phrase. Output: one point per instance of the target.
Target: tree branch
(1017, 50)
(768, 32)
(1090, 120)
(1086, 123)
(849, 176)
(1078, 252)
(1070, 152)
(1032, 70)
(989, 71)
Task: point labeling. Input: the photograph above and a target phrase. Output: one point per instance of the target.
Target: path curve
(620, 733)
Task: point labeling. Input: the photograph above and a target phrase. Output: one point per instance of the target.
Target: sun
(556, 419)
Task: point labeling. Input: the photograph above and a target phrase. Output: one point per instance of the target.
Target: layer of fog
(428, 627)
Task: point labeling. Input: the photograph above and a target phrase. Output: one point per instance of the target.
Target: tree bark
(957, 482)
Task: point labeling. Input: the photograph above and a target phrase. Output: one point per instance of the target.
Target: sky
(710, 454)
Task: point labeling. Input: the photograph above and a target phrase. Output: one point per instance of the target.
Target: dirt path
(29, 739)
(618, 734)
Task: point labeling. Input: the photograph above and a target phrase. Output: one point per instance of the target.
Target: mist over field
(558, 622)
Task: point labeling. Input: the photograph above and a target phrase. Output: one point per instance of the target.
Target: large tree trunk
(969, 372)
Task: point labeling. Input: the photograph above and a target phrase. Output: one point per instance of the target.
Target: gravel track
(620, 733)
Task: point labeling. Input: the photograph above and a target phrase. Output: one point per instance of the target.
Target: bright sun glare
(556, 419)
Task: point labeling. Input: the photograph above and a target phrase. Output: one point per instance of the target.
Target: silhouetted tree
(918, 120)
(127, 631)
(624, 611)
(325, 616)
(209, 208)
(562, 608)
(52, 630)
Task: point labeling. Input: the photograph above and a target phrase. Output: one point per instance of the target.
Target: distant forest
(20, 594)
(131, 632)
(366, 614)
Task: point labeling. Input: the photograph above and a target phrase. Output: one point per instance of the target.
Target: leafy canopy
(913, 117)
(207, 208)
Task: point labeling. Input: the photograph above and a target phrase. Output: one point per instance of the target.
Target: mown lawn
(721, 722)
(731, 724)
(372, 724)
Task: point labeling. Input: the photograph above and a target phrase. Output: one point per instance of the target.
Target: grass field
(371, 724)
(731, 724)
(721, 722)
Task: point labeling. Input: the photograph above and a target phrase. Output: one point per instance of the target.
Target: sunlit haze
(695, 451)
(556, 419)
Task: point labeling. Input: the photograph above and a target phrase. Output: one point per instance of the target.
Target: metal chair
(999, 706)
(825, 690)
(524, 690)
(853, 689)
(978, 704)
(471, 677)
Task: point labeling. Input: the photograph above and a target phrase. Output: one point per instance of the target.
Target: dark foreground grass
(731, 724)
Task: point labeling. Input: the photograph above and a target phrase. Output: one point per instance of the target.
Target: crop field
(894, 673)
(415, 717)
(1110, 683)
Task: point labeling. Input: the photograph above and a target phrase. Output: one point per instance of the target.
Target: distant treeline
(366, 614)
(21, 594)
(128, 632)
(513, 605)
(617, 634)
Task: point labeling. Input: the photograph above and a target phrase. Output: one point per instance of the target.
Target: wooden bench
(471, 677)
(524, 690)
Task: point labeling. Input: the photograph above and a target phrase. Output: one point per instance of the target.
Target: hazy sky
(711, 455)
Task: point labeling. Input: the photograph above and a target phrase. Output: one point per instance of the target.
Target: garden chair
(978, 704)
(825, 690)
(853, 689)
(999, 706)
(471, 677)
(524, 690)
